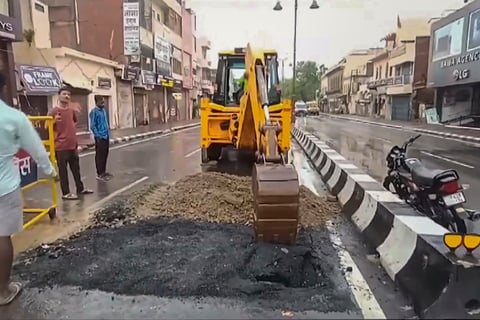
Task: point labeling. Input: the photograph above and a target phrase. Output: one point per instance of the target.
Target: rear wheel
(211, 153)
(458, 225)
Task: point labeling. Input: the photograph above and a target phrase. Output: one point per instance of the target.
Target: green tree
(308, 81)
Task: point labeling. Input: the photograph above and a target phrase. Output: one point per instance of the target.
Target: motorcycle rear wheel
(458, 225)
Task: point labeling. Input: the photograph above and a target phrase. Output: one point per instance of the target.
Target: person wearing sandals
(16, 132)
(66, 145)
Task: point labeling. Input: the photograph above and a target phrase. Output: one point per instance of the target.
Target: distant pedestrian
(16, 133)
(100, 128)
(66, 145)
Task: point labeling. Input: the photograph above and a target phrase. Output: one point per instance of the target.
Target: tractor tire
(211, 153)
(214, 152)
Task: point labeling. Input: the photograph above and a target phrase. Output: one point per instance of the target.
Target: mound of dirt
(223, 198)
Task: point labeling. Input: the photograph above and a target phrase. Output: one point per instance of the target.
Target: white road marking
(360, 289)
(383, 139)
(364, 296)
(124, 145)
(188, 155)
(98, 204)
(448, 160)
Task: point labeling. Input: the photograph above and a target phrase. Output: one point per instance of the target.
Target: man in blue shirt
(16, 133)
(101, 132)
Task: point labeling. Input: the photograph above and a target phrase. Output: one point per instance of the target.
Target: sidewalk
(122, 135)
(462, 133)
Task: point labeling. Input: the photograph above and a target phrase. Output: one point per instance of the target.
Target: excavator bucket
(277, 196)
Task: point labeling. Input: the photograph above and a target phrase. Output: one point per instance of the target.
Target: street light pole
(278, 7)
(294, 48)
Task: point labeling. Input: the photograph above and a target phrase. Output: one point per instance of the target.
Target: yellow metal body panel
(40, 213)
(218, 122)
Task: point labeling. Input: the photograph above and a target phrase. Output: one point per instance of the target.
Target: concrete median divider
(440, 283)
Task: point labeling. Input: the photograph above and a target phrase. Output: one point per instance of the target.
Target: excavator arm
(274, 182)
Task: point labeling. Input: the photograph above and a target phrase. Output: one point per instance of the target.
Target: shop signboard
(40, 80)
(131, 28)
(27, 168)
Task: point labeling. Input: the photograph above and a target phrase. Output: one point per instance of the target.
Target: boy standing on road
(100, 129)
(66, 145)
(16, 132)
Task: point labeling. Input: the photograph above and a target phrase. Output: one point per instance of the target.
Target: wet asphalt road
(367, 146)
(165, 159)
(161, 159)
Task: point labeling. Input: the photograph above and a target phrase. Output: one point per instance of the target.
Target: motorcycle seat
(425, 177)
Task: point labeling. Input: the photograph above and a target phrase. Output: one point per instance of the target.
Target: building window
(195, 44)
(4, 8)
(39, 7)
(172, 20)
(391, 72)
(380, 72)
(177, 66)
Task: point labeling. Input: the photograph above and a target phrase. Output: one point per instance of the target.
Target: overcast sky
(324, 35)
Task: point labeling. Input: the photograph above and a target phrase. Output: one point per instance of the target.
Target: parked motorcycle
(434, 193)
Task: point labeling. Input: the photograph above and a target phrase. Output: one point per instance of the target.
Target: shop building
(10, 31)
(189, 22)
(126, 77)
(454, 70)
(88, 76)
(336, 100)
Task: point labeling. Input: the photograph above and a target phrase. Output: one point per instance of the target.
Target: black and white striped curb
(410, 245)
(139, 136)
(413, 129)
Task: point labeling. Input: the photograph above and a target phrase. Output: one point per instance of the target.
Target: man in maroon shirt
(66, 145)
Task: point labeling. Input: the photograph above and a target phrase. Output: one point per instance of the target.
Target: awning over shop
(40, 80)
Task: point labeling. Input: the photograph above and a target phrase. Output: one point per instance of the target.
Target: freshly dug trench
(223, 198)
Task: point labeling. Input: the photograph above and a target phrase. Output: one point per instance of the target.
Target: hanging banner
(131, 28)
(162, 49)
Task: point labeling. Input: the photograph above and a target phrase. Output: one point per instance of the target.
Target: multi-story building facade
(323, 103)
(10, 31)
(454, 71)
(344, 80)
(391, 86)
(50, 57)
(357, 69)
(336, 101)
(133, 56)
(167, 32)
(189, 27)
(204, 66)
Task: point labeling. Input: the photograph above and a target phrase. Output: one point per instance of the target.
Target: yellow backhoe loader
(251, 116)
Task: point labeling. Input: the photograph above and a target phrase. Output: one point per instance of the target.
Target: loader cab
(231, 68)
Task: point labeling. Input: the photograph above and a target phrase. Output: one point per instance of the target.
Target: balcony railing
(392, 81)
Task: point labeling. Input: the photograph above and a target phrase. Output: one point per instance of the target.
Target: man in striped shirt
(100, 128)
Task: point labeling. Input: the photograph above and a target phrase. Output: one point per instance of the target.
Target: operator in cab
(242, 84)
